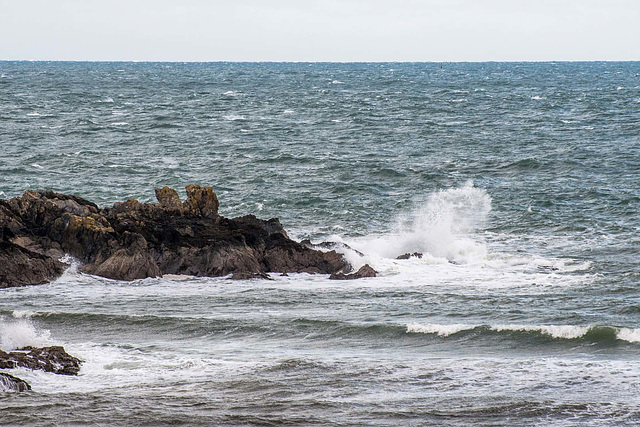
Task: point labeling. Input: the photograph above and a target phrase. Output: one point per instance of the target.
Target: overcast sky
(327, 30)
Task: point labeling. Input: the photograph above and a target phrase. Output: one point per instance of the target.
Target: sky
(327, 30)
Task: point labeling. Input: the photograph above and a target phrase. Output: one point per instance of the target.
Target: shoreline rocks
(133, 240)
(52, 359)
(11, 383)
(49, 359)
(364, 271)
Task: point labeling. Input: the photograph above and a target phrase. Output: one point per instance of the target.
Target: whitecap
(120, 124)
(18, 332)
(288, 112)
(555, 331)
(233, 117)
(33, 114)
(23, 314)
(538, 98)
(628, 334)
(37, 166)
(443, 226)
(440, 330)
(567, 332)
(337, 82)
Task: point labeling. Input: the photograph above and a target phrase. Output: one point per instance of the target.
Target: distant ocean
(519, 182)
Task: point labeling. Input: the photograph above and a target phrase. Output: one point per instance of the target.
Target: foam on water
(18, 331)
(566, 332)
(233, 117)
(442, 227)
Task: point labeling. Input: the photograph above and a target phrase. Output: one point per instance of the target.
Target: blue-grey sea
(519, 182)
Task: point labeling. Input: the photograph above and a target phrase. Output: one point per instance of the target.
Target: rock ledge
(133, 240)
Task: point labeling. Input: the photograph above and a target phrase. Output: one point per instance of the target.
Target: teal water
(520, 182)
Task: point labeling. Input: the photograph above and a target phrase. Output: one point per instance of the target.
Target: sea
(519, 183)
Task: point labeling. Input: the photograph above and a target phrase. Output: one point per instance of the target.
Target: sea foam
(19, 331)
(443, 226)
(567, 332)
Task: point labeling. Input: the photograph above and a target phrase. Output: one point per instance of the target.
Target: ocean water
(520, 183)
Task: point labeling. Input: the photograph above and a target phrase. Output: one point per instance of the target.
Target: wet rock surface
(133, 240)
(49, 359)
(11, 383)
(410, 255)
(364, 271)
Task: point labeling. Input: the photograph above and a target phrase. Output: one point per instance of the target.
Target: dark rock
(133, 240)
(364, 271)
(409, 255)
(20, 266)
(329, 245)
(50, 359)
(246, 275)
(11, 383)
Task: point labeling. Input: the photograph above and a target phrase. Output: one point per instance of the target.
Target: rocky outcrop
(410, 255)
(11, 383)
(49, 359)
(133, 240)
(364, 271)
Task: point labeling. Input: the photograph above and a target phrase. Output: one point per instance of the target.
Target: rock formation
(364, 271)
(410, 255)
(11, 383)
(49, 359)
(133, 240)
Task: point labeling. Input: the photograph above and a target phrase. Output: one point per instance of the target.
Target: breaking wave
(563, 332)
(444, 226)
(19, 331)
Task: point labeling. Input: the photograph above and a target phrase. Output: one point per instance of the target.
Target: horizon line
(319, 62)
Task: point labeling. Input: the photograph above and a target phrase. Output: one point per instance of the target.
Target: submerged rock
(409, 255)
(11, 383)
(49, 359)
(133, 240)
(364, 271)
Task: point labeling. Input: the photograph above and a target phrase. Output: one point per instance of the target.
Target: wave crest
(564, 332)
(443, 227)
(19, 331)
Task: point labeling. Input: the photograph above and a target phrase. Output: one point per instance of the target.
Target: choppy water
(519, 182)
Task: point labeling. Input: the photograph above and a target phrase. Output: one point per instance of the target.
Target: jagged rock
(133, 240)
(364, 271)
(11, 383)
(50, 359)
(201, 201)
(409, 255)
(168, 199)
